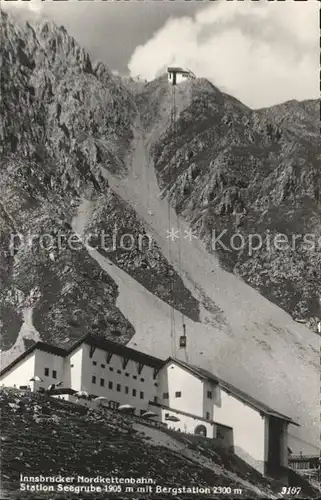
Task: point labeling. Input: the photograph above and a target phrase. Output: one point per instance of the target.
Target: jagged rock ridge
(233, 171)
(62, 120)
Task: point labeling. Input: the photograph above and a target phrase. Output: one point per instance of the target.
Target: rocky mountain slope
(115, 445)
(61, 120)
(82, 153)
(242, 177)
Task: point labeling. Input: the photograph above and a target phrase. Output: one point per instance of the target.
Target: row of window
(118, 387)
(119, 371)
(178, 394)
(54, 373)
(102, 382)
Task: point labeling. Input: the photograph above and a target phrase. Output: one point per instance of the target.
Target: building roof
(182, 71)
(120, 349)
(62, 390)
(94, 341)
(229, 388)
(41, 346)
(198, 372)
(176, 68)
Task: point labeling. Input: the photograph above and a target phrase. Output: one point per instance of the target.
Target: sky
(263, 53)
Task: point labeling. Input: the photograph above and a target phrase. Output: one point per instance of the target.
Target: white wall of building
(197, 395)
(74, 369)
(53, 363)
(179, 78)
(172, 379)
(248, 428)
(128, 386)
(211, 396)
(21, 373)
(186, 423)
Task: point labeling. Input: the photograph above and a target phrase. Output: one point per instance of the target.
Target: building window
(134, 392)
(156, 384)
(118, 387)
(118, 371)
(54, 374)
(71, 366)
(103, 366)
(102, 382)
(178, 394)
(135, 377)
(93, 379)
(127, 374)
(113, 404)
(94, 363)
(46, 372)
(155, 399)
(111, 369)
(141, 395)
(207, 415)
(110, 385)
(165, 395)
(142, 380)
(126, 390)
(209, 394)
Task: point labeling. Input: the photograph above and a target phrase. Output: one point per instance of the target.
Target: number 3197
(291, 490)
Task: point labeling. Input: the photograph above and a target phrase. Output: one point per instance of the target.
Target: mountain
(73, 118)
(86, 154)
(250, 175)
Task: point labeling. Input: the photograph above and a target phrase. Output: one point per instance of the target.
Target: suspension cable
(172, 311)
(178, 223)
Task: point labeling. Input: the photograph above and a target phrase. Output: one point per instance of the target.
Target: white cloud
(33, 8)
(262, 53)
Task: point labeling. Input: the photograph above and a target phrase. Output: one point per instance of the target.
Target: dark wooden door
(274, 468)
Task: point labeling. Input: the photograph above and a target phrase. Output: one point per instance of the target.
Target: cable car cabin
(182, 341)
(178, 75)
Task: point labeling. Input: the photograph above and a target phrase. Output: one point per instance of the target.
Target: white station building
(187, 398)
(177, 75)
